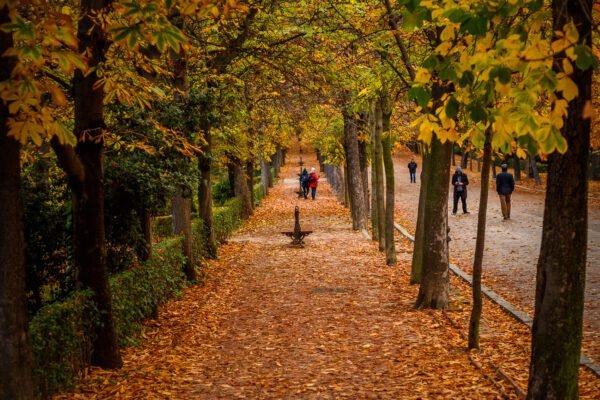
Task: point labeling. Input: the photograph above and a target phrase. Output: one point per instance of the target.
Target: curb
(508, 307)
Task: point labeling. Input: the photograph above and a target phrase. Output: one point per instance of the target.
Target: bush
(259, 194)
(221, 191)
(227, 218)
(61, 341)
(138, 292)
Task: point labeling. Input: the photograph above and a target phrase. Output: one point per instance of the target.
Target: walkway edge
(508, 307)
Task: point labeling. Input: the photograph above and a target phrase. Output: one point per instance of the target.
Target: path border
(503, 303)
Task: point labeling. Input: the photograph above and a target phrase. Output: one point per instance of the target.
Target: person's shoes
(453, 213)
(466, 212)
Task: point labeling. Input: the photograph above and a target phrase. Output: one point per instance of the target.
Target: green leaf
(457, 15)
(477, 112)
(466, 79)
(474, 25)
(503, 74)
(452, 107)
(585, 58)
(420, 94)
(430, 62)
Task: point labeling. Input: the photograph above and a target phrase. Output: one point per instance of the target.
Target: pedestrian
(313, 182)
(304, 178)
(412, 169)
(505, 184)
(460, 181)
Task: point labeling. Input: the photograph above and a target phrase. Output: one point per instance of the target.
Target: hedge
(61, 332)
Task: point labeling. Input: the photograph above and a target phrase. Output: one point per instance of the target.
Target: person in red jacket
(313, 182)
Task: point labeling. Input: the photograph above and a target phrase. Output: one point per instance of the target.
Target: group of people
(505, 185)
(309, 181)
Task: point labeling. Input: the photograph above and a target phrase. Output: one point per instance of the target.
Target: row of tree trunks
(374, 211)
(265, 175)
(379, 205)
(355, 178)
(559, 297)
(362, 128)
(181, 205)
(205, 209)
(240, 186)
(16, 381)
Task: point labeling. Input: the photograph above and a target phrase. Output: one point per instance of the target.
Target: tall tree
(390, 184)
(16, 381)
(354, 177)
(560, 283)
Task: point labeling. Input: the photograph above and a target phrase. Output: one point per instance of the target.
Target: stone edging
(496, 298)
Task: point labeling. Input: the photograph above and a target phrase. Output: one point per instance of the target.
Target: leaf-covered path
(327, 321)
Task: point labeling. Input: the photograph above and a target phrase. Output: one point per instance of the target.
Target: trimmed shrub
(138, 292)
(259, 194)
(227, 218)
(61, 341)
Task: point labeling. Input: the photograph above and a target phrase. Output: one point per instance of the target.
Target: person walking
(460, 181)
(412, 169)
(304, 178)
(313, 182)
(505, 185)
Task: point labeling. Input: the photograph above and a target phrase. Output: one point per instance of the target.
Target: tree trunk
(357, 194)
(464, 159)
(241, 187)
(390, 187)
(364, 159)
(146, 225)
(417, 258)
(250, 180)
(16, 381)
(480, 243)
(493, 170)
(205, 209)
(433, 292)
(379, 179)
(89, 253)
(594, 165)
(182, 225)
(534, 171)
(517, 167)
(265, 173)
(527, 168)
(453, 156)
(560, 283)
(347, 198)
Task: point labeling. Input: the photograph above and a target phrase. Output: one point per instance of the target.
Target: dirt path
(512, 247)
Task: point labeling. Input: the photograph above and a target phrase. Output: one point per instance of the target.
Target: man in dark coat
(505, 184)
(412, 169)
(460, 183)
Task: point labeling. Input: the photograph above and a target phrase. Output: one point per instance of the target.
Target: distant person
(304, 178)
(412, 169)
(460, 183)
(505, 185)
(313, 182)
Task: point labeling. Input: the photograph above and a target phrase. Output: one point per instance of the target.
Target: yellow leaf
(422, 76)
(521, 154)
(448, 33)
(568, 88)
(58, 97)
(567, 66)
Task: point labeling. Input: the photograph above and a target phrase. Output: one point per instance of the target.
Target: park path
(511, 247)
(330, 321)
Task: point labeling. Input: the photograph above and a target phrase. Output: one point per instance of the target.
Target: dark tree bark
(357, 203)
(560, 283)
(594, 165)
(464, 159)
(205, 209)
(347, 198)
(364, 158)
(480, 243)
(250, 179)
(265, 175)
(16, 380)
(453, 156)
(372, 128)
(181, 204)
(379, 179)
(517, 167)
(433, 292)
(146, 224)
(240, 184)
(416, 269)
(493, 170)
(390, 184)
(534, 171)
(84, 168)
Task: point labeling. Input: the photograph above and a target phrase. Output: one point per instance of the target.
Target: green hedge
(138, 292)
(61, 332)
(162, 227)
(259, 194)
(61, 341)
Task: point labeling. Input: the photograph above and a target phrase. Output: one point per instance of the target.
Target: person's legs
(508, 206)
(503, 206)
(455, 207)
(463, 197)
(413, 177)
(314, 192)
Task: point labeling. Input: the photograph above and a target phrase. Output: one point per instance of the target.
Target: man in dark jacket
(505, 184)
(460, 183)
(412, 169)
